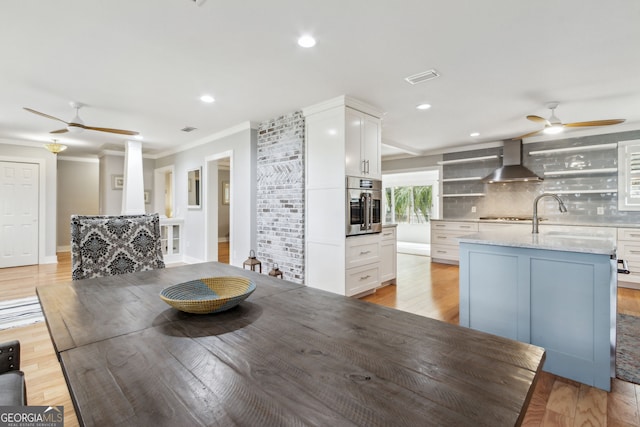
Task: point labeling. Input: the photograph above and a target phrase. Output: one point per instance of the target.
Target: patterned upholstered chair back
(110, 245)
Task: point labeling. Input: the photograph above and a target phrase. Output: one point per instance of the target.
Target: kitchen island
(554, 290)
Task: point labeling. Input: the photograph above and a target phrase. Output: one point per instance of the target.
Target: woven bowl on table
(208, 295)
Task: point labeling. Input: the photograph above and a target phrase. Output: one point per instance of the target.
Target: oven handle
(363, 202)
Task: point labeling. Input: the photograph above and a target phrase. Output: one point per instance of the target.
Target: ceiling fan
(553, 125)
(77, 125)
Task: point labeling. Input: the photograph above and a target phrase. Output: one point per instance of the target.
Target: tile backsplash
(516, 199)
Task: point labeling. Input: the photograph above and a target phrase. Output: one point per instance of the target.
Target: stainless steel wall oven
(364, 206)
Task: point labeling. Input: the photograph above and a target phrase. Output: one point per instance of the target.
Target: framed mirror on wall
(194, 189)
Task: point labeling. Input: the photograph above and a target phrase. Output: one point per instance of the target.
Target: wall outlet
(600, 210)
(473, 209)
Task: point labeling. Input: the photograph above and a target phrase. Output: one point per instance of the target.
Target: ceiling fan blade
(118, 131)
(43, 115)
(526, 135)
(538, 119)
(595, 123)
(59, 131)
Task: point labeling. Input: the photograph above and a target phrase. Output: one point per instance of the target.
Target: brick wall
(280, 193)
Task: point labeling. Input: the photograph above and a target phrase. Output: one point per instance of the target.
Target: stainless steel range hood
(512, 169)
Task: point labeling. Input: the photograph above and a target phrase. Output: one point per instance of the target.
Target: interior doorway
(218, 201)
(410, 201)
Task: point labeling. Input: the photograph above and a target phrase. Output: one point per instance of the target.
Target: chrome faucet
(561, 206)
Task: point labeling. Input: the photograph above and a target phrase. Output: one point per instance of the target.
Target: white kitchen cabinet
(444, 239)
(330, 263)
(629, 250)
(388, 255)
(363, 264)
(628, 175)
(170, 239)
(362, 144)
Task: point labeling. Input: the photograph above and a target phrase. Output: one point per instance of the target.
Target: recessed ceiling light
(423, 106)
(306, 41)
(474, 134)
(207, 98)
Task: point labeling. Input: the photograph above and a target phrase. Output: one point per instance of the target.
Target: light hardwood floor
(423, 288)
(432, 290)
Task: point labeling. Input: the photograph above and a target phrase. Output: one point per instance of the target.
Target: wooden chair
(109, 245)
(13, 389)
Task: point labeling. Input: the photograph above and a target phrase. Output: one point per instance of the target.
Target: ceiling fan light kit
(77, 125)
(553, 125)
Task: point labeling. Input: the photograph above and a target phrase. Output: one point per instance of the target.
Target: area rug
(628, 348)
(20, 312)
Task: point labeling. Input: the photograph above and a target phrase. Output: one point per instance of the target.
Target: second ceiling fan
(77, 124)
(553, 125)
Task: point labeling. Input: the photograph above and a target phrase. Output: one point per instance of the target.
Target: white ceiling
(142, 65)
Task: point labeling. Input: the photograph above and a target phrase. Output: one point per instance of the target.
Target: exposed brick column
(280, 192)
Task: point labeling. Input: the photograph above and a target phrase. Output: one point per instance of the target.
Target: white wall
(242, 145)
(78, 188)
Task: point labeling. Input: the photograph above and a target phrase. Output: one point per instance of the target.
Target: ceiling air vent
(422, 77)
(188, 129)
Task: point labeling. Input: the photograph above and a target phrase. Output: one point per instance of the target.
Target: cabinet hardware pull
(365, 277)
(364, 252)
(442, 237)
(440, 225)
(634, 252)
(465, 226)
(442, 252)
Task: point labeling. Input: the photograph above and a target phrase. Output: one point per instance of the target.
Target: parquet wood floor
(422, 288)
(431, 290)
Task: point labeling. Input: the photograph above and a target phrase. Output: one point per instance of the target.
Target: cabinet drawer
(454, 226)
(362, 279)
(388, 233)
(447, 238)
(629, 234)
(447, 252)
(629, 251)
(362, 250)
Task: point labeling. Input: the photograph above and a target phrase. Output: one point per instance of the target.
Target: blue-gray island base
(551, 290)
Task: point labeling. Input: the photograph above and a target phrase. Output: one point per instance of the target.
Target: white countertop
(555, 241)
(542, 222)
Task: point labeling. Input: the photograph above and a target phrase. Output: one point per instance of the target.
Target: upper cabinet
(362, 144)
(629, 175)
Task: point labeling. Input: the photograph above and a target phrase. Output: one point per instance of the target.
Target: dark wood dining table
(288, 355)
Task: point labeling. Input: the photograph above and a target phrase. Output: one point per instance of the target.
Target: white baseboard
(63, 249)
(191, 260)
(50, 260)
(223, 239)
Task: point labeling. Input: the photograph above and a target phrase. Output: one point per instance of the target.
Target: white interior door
(18, 214)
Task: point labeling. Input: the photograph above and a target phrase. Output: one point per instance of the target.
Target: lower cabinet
(170, 239)
(444, 239)
(370, 261)
(388, 255)
(629, 250)
(362, 264)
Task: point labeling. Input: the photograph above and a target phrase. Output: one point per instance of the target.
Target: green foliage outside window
(410, 204)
